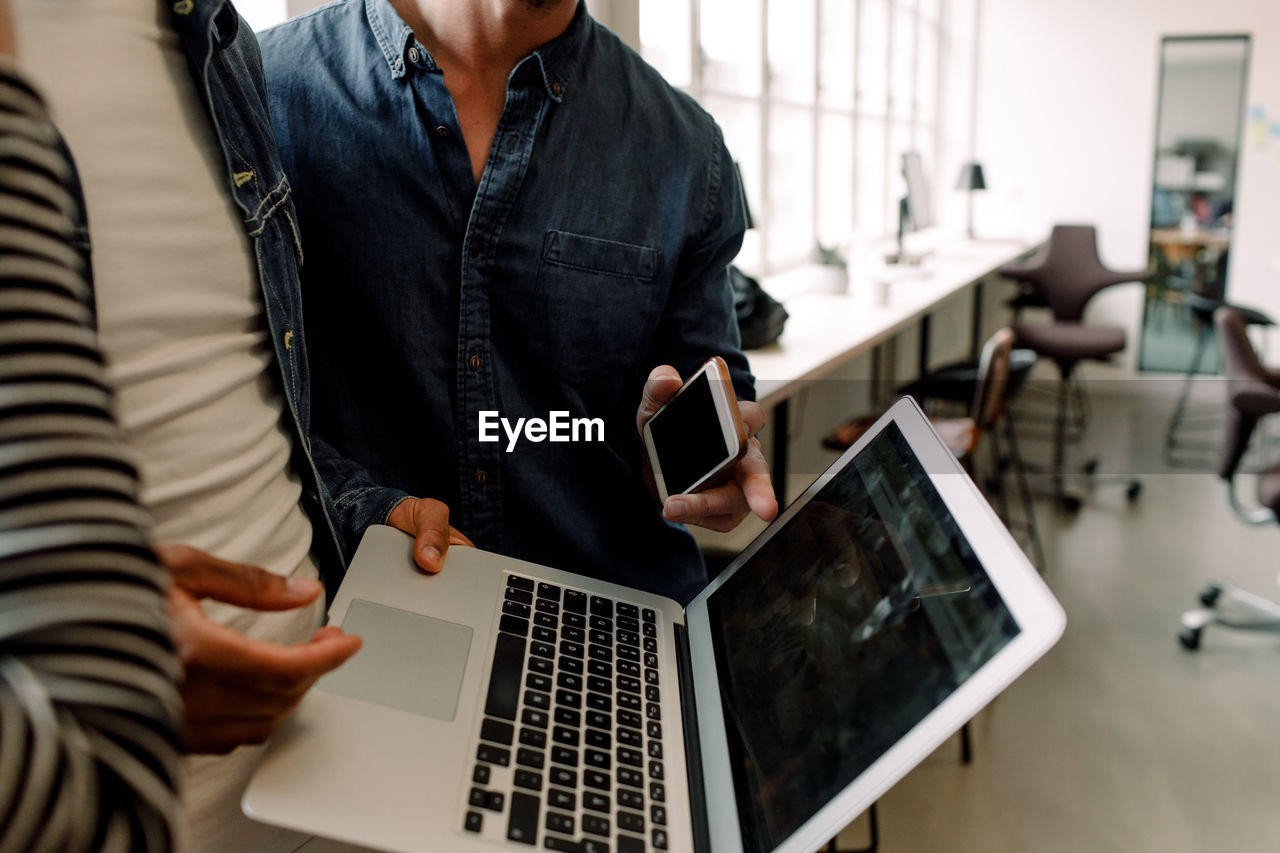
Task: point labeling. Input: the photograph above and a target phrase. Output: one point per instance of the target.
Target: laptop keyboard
(570, 753)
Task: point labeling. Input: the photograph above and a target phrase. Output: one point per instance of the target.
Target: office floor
(1118, 740)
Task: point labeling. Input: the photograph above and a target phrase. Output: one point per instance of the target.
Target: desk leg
(781, 438)
(975, 330)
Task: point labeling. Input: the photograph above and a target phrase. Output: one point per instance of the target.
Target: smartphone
(696, 437)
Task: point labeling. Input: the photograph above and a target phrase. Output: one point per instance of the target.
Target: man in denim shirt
(504, 209)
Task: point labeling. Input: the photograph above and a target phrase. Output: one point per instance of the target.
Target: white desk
(827, 330)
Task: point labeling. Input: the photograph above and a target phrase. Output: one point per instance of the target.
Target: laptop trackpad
(409, 661)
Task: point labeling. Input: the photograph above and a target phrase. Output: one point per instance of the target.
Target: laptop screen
(843, 632)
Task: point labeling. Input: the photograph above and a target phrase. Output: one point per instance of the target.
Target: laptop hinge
(692, 746)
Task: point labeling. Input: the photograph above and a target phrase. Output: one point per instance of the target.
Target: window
(818, 99)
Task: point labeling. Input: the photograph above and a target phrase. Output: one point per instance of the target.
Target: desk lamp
(971, 179)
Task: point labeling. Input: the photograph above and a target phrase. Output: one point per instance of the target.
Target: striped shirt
(89, 703)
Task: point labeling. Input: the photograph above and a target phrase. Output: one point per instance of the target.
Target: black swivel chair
(1253, 392)
(1067, 274)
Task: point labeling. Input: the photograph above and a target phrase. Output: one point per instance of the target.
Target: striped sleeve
(89, 702)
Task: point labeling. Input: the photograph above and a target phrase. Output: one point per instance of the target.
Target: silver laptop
(502, 703)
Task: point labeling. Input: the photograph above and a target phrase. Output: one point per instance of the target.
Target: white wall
(1066, 126)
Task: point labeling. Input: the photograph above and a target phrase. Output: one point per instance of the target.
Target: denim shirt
(227, 69)
(593, 249)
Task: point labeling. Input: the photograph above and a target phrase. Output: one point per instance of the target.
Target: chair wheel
(1210, 594)
(1190, 638)
(1133, 492)
(1070, 503)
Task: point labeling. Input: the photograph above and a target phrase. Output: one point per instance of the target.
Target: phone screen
(688, 436)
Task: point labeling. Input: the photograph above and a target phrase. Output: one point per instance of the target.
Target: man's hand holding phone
(700, 480)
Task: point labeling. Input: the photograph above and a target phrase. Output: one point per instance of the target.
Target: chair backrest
(1244, 370)
(991, 391)
(1069, 272)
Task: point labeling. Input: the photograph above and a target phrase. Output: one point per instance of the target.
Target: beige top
(182, 325)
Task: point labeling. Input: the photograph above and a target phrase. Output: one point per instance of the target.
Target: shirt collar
(556, 60)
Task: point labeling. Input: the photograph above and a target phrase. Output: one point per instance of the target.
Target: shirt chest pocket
(598, 298)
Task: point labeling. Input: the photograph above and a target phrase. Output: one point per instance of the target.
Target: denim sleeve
(356, 499)
(698, 320)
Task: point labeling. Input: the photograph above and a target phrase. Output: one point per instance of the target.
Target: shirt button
(481, 476)
(474, 361)
(556, 88)
(414, 55)
(442, 132)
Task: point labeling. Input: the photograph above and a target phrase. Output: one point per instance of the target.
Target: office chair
(1253, 392)
(1067, 274)
(1202, 309)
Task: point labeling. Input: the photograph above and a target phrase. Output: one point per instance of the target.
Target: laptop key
(655, 729)
(660, 839)
(603, 653)
(629, 684)
(541, 665)
(519, 595)
(569, 698)
(653, 711)
(546, 620)
(493, 755)
(625, 609)
(544, 605)
(657, 792)
(630, 719)
(633, 778)
(542, 650)
(596, 779)
(531, 717)
(504, 679)
(474, 822)
(630, 821)
(598, 739)
(651, 660)
(630, 737)
(520, 583)
(629, 667)
(628, 638)
(649, 629)
(497, 731)
(537, 682)
(650, 645)
(574, 620)
(628, 623)
(569, 681)
(600, 668)
(530, 758)
(513, 625)
(592, 825)
(568, 717)
(533, 737)
(543, 635)
(522, 825)
(566, 778)
(595, 802)
(591, 845)
(599, 702)
(601, 606)
(557, 822)
(575, 601)
(651, 677)
(628, 653)
(576, 635)
(658, 815)
(477, 797)
(598, 759)
(563, 799)
(494, 800)
(562, 845)
(565, 736)
(631, 799)
(601, 623)
(564, 755)
(571, 649)
(600, 637)
(480, 775)
(528, 779)
(628, 700)
(655, 749)
(630, 757)
(537, 699)
(598, 684)
(627, 844)
(571, 665)
(548, 590)
(649, 615)
(597, 719)
(655, 769)
(652, 693)
(515, 608)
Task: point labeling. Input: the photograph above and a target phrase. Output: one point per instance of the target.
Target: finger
(661, 386)
(753, 416)
(457, 537)
(228, 656)
(206, 576)
(431, 534)
(222, 736)
(721, 523)
(752, 476)
(691, 509)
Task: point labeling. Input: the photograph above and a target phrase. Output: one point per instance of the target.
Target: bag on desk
(760, 316)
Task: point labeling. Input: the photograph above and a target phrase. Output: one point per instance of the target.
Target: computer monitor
(918, 210)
